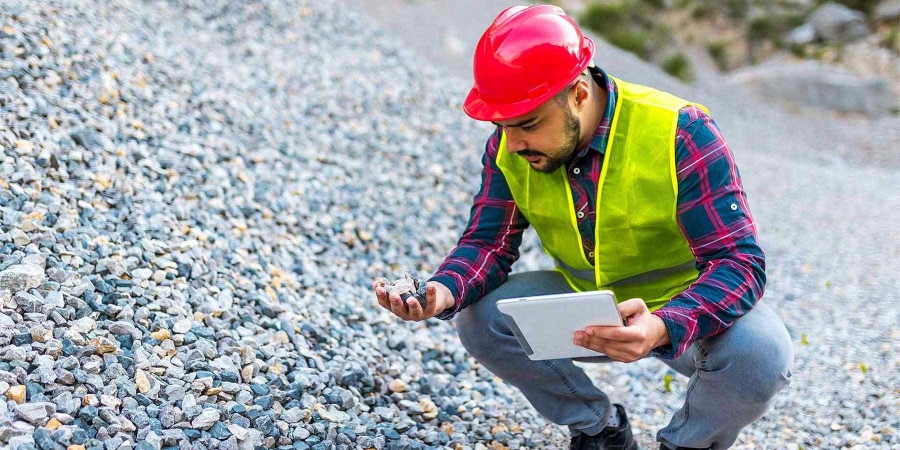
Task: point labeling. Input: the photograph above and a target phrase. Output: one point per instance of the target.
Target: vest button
(580, 215)
(734, 206)
(576, 171)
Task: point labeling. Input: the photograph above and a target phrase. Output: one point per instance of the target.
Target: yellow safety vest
(639, 249)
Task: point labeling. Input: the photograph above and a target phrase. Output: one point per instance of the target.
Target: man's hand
(437, 295)
(642, 333)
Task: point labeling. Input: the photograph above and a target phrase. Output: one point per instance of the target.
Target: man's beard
(573, 138)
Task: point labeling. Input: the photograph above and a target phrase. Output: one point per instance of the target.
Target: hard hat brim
(479, 109)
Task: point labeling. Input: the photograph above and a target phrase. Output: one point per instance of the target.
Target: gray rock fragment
(35, 413)
(21, 277)
(836, 22)
(206, 419)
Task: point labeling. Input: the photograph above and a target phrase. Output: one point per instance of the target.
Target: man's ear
(582, 92)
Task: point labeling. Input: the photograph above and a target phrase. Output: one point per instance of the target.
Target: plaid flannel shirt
(712, 213)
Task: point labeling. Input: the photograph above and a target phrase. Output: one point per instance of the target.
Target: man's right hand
(437, 295)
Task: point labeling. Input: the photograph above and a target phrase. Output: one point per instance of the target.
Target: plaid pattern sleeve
(715, 219)
(489, 246)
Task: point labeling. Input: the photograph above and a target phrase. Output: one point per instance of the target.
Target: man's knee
(757, 352)
(479, 326)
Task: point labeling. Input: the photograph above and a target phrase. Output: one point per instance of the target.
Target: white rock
(251, 440)
(206, 419)
(21, 277)
(292, 415)
(82, 325)
(225, 300)
(19, 237)
(182, 326)
(6, 321)
(141, 274)
(36, 259)
(54, 299)
(188, 401)
(238, 431)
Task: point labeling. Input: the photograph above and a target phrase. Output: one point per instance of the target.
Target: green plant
(658, 4)
(627, 25)
(737, 9)
(636, 42)
(798, 50)
(773, 27)
(892, 40)
(678, 66)
(703, 11)
(718, 50)
(602, 17)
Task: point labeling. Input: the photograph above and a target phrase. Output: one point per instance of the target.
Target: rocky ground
(196, 196)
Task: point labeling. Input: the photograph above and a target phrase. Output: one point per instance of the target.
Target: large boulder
(817, 85)
(836, 22)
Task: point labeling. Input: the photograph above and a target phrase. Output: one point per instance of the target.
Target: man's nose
(514, 143)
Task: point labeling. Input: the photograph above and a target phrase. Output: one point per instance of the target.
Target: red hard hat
(523, 59)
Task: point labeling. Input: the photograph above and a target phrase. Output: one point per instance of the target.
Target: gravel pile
(196, 196)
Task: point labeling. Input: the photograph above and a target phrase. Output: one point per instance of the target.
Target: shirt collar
(601, 134)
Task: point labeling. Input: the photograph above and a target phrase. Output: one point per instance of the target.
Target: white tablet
(545, 325)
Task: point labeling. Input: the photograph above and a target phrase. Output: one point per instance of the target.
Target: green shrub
(892, 40)
(658, 4)
(626, 25)
(636, 42)
(719, 53)
(798, 50)
(772, 28)
(737, 9)
(678, 66)
(703, 11)
(602, 17)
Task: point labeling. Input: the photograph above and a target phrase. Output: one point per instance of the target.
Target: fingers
(411, 309)
(620, 334)
(381, 295)
(608, 348)
(414, 308)
(589, 342)
(632, 306)
(397, 307)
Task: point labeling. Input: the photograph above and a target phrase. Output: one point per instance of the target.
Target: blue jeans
(734, 376)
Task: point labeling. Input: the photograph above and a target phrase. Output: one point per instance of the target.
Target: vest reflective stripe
(639, 249)
(646, 277)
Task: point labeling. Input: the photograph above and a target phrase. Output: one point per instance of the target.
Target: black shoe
(666, 447)
(610, 438)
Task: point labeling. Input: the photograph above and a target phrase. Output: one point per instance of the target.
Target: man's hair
(561, 97)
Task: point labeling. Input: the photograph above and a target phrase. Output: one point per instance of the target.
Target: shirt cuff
(676, 333)
(448, 281)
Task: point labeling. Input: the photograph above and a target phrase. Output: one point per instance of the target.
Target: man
(629, 189)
